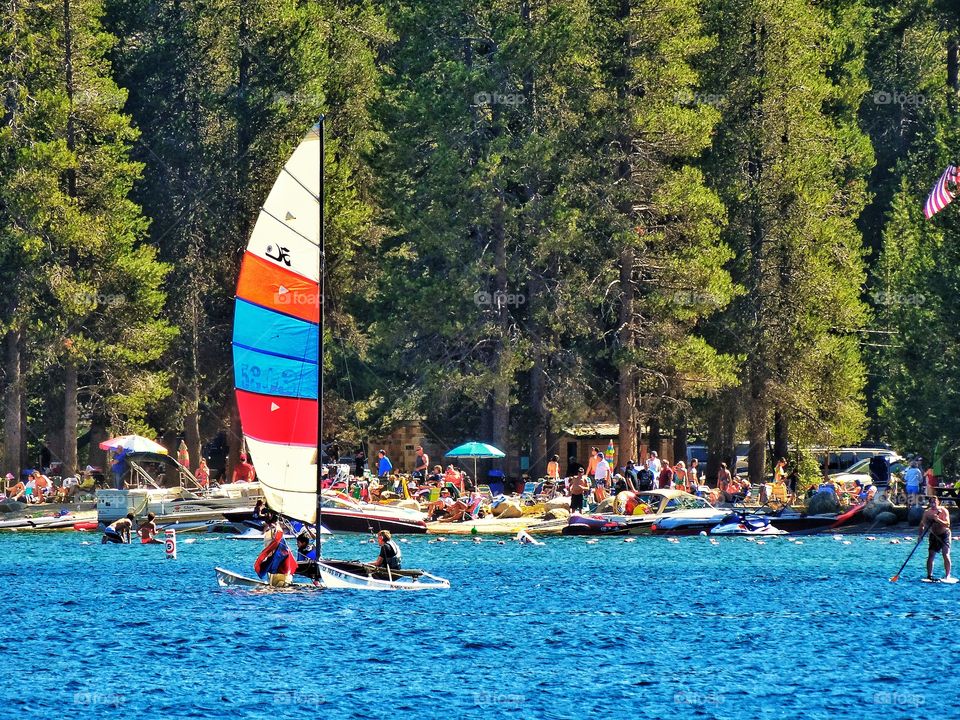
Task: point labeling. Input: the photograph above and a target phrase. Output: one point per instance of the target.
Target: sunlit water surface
(644, 629)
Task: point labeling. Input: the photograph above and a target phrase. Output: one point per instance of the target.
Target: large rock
(508, 509)
(884, 519)
(560, 501)
(914, 514)
(823, 502)
(556, 514)
(877, 506)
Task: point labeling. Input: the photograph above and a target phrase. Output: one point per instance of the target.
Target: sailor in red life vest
(244, 471)
(276, 563)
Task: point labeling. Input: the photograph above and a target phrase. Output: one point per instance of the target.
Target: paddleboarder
(937, 519)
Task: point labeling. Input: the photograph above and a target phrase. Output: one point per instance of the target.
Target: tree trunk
(500, 416)
(13, 400)
(70, 420)
(627, 386)
(680, 439)
(538, 435)
(655, 439)
(757, 421)
(781, 431)
(234, 440)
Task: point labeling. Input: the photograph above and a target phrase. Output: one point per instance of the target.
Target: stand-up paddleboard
(945, 581)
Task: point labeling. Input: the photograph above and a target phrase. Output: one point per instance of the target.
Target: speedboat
(341, 513)
(740, 523)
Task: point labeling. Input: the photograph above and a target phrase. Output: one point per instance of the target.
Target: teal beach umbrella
(476, 451)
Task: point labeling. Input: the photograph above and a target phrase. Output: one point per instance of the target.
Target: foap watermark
(486, 699)
(296, 298)
(300, 698)
(496, 98)
(98, 299)
(498, 299)
(102, 699)
(896, 97)
(688, 697)
(899, 699)
(688, 97)
(890, 297)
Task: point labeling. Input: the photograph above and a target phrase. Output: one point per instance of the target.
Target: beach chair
(485, 492)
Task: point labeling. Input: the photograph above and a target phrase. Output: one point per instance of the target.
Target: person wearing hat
(244, 471)
(14, 490)
(306, 550)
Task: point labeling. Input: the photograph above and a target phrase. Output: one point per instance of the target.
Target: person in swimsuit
(118, 532)
(937, 519)
(148, 531)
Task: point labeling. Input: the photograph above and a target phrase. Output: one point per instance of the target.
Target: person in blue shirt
(912, 477)
(384, 466)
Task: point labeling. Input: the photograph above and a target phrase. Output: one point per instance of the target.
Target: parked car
(860, 470)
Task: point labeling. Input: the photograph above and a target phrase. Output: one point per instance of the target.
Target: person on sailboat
(390, 556)
(276, 563)
(306, 550)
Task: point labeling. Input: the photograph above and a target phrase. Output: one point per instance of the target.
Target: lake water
(645, 629)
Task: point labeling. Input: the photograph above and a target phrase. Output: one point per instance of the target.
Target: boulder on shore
(508, 509)
(914, 514)
(884, 519)
(823, 502)
(561, 501)
(877, 506)
(557, 514)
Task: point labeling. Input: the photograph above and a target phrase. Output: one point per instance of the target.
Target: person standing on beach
(579, 484)
(602, 471)
(592, 463)
(912, 478)
(384, 466)
(937, 519)
(553, 468)
(421, 464)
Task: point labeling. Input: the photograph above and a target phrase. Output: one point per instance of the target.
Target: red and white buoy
(170, 544)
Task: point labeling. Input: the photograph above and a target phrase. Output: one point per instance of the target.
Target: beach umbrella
(475, 451)
(134, 444)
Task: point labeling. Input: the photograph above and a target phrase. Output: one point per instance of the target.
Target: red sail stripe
(291, 421)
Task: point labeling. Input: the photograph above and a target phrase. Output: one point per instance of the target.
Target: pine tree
(790, 161)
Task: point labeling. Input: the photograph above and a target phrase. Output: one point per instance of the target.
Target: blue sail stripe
(267, 331)
(268, 374)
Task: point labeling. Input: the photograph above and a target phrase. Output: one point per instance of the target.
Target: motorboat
(153, 476)
(342, 513)
(742, 523)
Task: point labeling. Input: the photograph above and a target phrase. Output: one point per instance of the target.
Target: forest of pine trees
(697, 218)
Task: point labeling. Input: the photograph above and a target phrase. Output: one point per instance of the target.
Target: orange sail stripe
(266, 283)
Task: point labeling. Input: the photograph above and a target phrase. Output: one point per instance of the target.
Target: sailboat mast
(320, 292)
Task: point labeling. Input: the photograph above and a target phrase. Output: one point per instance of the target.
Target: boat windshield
(332, 499)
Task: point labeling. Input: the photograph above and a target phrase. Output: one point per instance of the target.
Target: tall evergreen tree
(790, 161)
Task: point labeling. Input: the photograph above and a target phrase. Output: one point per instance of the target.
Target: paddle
(919, 540)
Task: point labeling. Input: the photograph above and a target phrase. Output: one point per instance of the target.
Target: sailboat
(278, 368)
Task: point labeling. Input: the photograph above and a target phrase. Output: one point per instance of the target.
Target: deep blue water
(648, 629)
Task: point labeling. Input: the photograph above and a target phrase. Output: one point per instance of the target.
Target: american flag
(941, 195)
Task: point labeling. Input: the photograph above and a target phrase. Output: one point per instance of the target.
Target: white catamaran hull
(332, 577)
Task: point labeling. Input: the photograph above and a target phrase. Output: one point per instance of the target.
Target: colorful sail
(275, 333)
